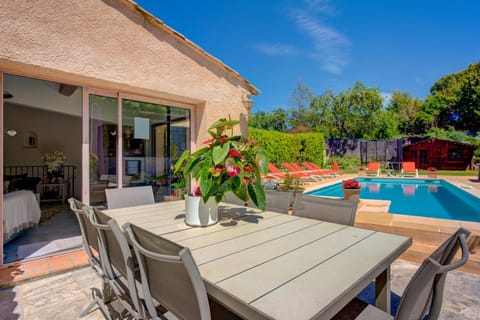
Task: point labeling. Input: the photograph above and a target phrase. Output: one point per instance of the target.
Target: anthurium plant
(227, 163)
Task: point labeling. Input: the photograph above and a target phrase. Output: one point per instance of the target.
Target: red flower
(197, 192)
(234, 153)
(222, 140)
(351, 184)
(217, 170)
(248, 169)
(232, 170)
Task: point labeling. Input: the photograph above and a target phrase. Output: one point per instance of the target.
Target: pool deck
(427, 233)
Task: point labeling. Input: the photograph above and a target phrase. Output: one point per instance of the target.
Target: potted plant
(351, 189)
(227, 163)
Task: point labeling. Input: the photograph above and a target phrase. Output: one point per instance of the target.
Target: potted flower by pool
(351, 189)
(228, 163)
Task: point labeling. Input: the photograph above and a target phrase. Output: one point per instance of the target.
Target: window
(455, 153)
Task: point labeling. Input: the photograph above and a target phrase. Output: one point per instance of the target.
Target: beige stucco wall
(111, 45)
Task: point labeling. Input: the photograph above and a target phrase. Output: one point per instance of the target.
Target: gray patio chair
(90, 244)
(118, 265)
(325, 209)
(229, 197)
(424, 293)
(277, 201)
(129, 197)
(170, 276)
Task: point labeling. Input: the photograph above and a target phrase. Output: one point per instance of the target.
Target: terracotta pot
(200, 214)
(351, 194)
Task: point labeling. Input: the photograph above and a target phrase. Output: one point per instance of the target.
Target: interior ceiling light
(7, 95)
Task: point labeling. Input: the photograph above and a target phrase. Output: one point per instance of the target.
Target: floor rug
(39, 249)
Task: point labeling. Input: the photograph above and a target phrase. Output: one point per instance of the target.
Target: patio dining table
(266, 265)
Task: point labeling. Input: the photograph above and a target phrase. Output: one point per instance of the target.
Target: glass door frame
(87, 91)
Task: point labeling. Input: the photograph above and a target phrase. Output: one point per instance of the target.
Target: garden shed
(440, 154)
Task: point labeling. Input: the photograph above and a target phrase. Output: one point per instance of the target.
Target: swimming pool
(433, 198)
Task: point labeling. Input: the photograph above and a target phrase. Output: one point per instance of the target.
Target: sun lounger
(373, 169)
(408, 168)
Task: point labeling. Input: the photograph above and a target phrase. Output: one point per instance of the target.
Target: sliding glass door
(148, 140)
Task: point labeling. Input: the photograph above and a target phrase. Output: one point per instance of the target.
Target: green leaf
(180, 161)
(220, 152)
(261, 159)
(257, 194)
(191, 165)
(205, 178)
(241, 192)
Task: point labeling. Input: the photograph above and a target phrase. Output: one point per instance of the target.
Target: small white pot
(200, 214)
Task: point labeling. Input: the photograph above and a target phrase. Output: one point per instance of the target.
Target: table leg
(382, 291)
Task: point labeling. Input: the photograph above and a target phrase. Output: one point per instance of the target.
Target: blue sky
(391, 45)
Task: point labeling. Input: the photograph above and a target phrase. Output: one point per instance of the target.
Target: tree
(355, 113)
(276, 120)
(301, 99)
(454, 101)
(404, 108)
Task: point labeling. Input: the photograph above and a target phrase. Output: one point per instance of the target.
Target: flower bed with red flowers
(351, 184)
(226, 163)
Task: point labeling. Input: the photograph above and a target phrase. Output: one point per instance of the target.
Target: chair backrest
(290, 168)
(89, 235)
(315, 166)
(335, 166)
(373, 166)
(278, 201)
(129, 197)
(408, 166)
(273, 169)
(169, 275)
(117, 261)
(296, 167)
(424, 293)
(325, 209)
(230, 197)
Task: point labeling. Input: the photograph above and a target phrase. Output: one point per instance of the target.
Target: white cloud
(329, 46)
(276, 49)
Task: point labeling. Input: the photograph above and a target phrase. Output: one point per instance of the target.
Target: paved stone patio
(64, 296)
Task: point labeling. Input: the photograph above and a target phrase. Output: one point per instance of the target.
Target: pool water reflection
(433, 198)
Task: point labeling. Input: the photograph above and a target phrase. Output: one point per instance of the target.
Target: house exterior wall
(114, 46)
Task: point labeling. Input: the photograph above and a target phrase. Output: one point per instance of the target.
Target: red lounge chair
(335, 169)
(373, 169)
(408, 168)
(323, 172)
(275, 173)
(295, 169)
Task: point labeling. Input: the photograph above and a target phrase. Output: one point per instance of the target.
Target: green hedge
(290, 147)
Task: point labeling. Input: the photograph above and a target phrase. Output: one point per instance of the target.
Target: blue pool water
(417, 197)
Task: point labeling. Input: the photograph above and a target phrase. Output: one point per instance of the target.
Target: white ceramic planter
(200, 214)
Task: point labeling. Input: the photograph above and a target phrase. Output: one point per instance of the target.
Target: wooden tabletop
(266, 265)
